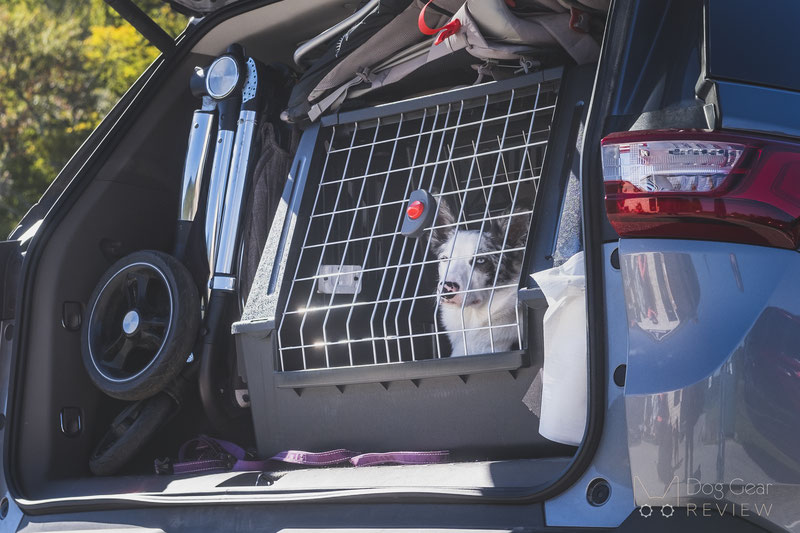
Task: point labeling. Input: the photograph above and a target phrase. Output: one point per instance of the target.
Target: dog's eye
(443, 257)
(480, 260)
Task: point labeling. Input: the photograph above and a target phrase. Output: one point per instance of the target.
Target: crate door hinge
(143, 24)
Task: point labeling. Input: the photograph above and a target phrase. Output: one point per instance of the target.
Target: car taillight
(703, 185)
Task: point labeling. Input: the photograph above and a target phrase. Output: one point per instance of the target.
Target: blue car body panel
(713, 381)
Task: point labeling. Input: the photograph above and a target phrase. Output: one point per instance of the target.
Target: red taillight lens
(703, 185)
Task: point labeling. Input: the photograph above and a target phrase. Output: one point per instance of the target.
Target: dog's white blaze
(456, 267)
(469, 310)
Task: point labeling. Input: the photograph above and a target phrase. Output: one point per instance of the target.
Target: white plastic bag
(564, 387)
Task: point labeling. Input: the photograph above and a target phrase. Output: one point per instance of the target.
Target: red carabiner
(447, 30)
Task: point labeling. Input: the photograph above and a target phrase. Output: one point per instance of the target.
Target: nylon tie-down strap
(205, 454)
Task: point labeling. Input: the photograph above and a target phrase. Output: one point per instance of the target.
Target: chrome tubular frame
(196, 155)
(224, 277)
(216, 191)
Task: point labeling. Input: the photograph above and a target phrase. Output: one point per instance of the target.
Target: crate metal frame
(289, 243)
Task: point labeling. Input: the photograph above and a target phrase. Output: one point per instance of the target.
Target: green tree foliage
(63, 65)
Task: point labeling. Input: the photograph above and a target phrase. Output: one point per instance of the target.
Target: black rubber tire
(179, 338)
(129, 432)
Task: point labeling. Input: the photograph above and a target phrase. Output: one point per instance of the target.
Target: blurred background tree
(63, 65)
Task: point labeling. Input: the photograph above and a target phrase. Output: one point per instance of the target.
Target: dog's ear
(445, 217)
(517, 223)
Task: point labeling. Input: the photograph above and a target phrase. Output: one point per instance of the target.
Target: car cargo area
(351, 320)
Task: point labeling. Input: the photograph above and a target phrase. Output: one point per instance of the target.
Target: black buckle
(163, 466)
(230, 460)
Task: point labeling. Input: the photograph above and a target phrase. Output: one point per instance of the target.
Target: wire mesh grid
(361, 292)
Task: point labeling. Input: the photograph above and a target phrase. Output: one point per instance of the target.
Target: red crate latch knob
(415, 209)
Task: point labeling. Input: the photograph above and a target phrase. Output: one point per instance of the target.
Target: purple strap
(209, 454)
(361, 459)
(315, 458)
(401, 458)
(213, 454)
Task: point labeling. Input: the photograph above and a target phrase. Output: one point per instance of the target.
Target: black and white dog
(467, 298)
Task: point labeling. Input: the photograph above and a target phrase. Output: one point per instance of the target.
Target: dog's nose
(449, 288)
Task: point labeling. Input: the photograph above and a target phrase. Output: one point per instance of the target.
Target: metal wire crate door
(364, 294)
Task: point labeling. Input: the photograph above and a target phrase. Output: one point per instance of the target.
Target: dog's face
(462, 272)
(469, 260)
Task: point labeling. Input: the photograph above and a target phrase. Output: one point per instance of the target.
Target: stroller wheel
(143, 320)
(129, 432)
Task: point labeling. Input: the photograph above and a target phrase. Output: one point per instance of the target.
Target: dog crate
(384, 313)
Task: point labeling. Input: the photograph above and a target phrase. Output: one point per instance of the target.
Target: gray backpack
(489, 30)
